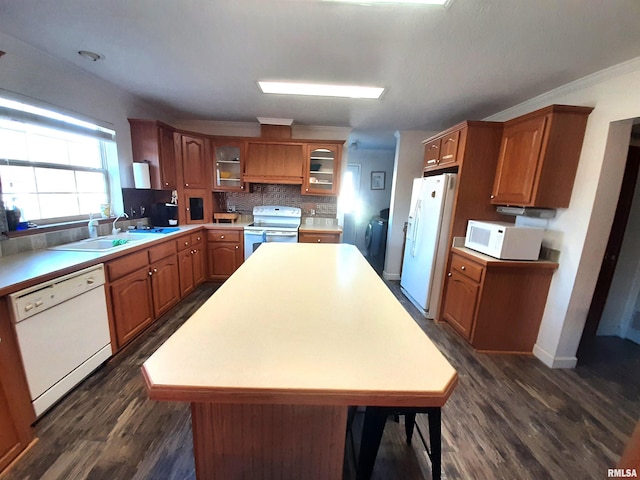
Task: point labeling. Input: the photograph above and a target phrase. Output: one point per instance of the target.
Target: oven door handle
(282, 234)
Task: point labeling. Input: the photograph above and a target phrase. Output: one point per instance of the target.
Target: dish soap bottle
(93, 226)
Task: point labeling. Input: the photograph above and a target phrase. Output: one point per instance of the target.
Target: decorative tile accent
(286, 195)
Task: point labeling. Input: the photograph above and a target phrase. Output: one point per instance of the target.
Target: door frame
(612, 251)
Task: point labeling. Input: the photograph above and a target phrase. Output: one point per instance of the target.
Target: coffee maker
(164, 214)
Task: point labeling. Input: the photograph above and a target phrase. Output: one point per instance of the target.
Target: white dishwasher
(63, 332)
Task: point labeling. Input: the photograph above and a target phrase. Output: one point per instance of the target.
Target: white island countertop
(302, 324)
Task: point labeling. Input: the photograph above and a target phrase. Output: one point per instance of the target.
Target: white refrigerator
(426, 242)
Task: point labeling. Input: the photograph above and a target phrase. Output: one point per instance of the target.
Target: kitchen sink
(102, 244)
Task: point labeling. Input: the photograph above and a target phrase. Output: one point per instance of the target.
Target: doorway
(601, 332)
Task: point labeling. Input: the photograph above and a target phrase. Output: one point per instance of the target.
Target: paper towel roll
(141, 177)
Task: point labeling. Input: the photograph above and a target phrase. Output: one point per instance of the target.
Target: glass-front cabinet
(321, 170)
(228, 166)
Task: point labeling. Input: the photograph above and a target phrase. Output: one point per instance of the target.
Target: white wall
(371, 160)
(52, 83)
(581, 231)
(407, 166)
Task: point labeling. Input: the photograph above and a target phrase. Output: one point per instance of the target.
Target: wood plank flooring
(509, 418)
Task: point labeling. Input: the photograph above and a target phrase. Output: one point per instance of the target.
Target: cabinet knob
(306, 189)
(433, 160)
(241, 187)
(186, 184)
(198, 239)
(449, 274)
(493, 196)
(463, 267)
(318, 240)
(221, 237)
(150, 273)
(237, 247)
(186, 244)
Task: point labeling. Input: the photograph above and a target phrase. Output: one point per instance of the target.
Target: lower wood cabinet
(319, 237)
(16, 413)
(496, 305)
(141, 287)
(191, 262)
(225, 252)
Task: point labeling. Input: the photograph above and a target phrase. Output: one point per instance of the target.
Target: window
(52, 167)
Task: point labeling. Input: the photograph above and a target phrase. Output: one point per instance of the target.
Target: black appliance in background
(161, 213)
(376, 240)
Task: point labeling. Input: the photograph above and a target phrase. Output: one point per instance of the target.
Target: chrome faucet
(114, 230)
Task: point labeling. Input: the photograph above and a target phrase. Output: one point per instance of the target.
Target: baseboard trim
(391, 276)
(554, 362)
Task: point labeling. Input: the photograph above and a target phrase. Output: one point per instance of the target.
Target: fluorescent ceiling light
(349, 91)
(415, 2)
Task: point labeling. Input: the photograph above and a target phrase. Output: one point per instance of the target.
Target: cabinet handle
(433, 160)
(463, 267)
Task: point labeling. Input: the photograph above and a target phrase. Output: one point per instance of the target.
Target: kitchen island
(273, 359)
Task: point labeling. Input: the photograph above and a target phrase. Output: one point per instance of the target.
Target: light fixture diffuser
(414, 2)
(322, 90)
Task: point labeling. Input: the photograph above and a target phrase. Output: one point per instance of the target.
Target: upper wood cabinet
(195, 160)
(153, 142)
(539, 157)
(274, 162)
(16, 412)
(322, 169)
(442, 151)
(228, 165)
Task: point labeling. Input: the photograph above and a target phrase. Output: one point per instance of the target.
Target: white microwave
(503, 240)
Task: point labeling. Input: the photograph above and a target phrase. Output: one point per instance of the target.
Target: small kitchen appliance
(271, 224)
(164, 214)
(503, 240)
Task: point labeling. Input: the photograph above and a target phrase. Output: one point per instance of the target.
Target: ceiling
(200, 59)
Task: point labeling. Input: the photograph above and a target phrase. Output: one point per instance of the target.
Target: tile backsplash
(271, 194)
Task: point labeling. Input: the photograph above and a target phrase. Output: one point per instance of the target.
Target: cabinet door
(16, 413)
(431, 154)
(224, 259)
(165, 284)
(198, 259)
(167, 159)
(185, 268)
(449, 149)
(195, 167)
(131, 305)
(228, 166)
(460, 303)
(196, 207)
(321, 170)
(519, 161)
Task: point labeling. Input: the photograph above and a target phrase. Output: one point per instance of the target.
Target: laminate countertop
(29, 268)
(320, 228)
(321, 328)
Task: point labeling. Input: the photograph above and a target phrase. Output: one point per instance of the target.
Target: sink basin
(102, 244)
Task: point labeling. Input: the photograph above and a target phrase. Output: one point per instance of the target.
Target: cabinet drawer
(197, 238)
(161, 251)
(319, 238)
(123, 266)
(222, 235)
(183, 242)
(467, 268)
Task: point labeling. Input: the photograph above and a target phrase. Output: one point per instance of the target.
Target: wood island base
(245, 441)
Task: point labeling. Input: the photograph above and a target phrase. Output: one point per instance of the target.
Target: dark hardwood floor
(509, 418)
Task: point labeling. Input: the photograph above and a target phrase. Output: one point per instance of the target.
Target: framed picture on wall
(377, 180)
